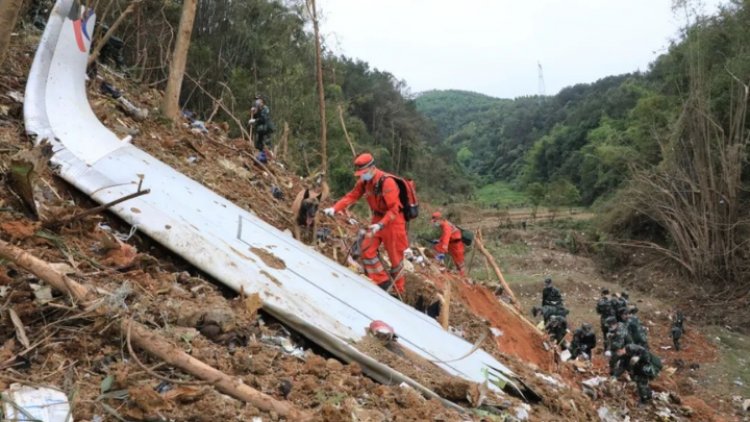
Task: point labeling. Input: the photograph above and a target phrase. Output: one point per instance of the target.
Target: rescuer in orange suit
(450, 241)
(388, 225)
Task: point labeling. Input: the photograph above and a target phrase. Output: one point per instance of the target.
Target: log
(151, 342)
(232, 386)
(493, 264)
(445, 308)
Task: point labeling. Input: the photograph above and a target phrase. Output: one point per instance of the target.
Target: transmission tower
(541, 80)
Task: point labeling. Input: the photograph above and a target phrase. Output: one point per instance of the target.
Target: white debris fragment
(16, 96)
(40, 404)
(664, 413)
(594, 382)
(565, 355)
(662, 396)
(606, 415)
(550, 380)
(522, 412)
(496, 331)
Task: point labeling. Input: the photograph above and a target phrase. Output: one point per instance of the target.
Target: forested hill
(452, 109)
(590, 136)
(531, 138)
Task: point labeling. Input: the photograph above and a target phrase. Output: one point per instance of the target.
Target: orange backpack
(407, 194)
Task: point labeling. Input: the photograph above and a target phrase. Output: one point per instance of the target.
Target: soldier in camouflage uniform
(548, 312)
(551, 295)
(643, 367)
(584, 341)
(617, 339)
(605, 309)
(557, 327)
(635, 328)
(677, 329)
(620, 304)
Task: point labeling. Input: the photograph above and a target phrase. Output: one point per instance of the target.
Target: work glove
(251, 122)
(608, 353)
(634, 360)
(440, 257)
(374, 228)
(329, 211)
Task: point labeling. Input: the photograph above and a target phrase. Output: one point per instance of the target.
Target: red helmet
(437, 215)
(362, 163)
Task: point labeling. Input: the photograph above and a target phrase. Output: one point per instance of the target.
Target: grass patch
(502, 194)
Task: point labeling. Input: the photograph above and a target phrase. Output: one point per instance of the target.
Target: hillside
(108, 377)
(593, 135)
(452, 109)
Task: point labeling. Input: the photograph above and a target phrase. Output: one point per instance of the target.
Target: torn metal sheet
(314, 295)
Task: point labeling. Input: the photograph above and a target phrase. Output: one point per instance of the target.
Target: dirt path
(517, 217)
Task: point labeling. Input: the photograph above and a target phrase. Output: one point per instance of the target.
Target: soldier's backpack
(407, 194)
(654, 368)
(604, 307)
(467, 236)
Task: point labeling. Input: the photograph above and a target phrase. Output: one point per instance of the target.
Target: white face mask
(367, 176)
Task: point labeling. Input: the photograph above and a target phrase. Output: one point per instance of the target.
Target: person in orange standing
(388, 224)
(450, 241)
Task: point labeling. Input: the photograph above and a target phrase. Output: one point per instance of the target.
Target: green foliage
(562, 193)
(243, 48)
(501, 194)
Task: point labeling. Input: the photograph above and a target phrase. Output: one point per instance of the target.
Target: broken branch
(153, 343)
(102, 42)
(95, 210)
(493, 264)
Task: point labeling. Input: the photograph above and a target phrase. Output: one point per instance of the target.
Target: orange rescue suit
(386, 210)
(450, 242)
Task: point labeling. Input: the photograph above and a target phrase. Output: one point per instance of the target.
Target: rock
(220, 316)
(746, 405)
(285, 388)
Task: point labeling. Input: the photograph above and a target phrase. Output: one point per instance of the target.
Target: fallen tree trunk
(151, 342)
(493, 264)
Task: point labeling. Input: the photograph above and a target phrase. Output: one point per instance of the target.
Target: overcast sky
(493, 46)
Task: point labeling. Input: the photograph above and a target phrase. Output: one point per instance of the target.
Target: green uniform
(617, 338)
(551, 296)
(262, 128)
(636, 331)
(619, 305)
(643, 367)
(556, 328)
(583, 342)
(605, 309)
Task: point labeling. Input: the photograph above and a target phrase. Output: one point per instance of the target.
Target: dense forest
(594, 135)
(240, 49)
(663, 153)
